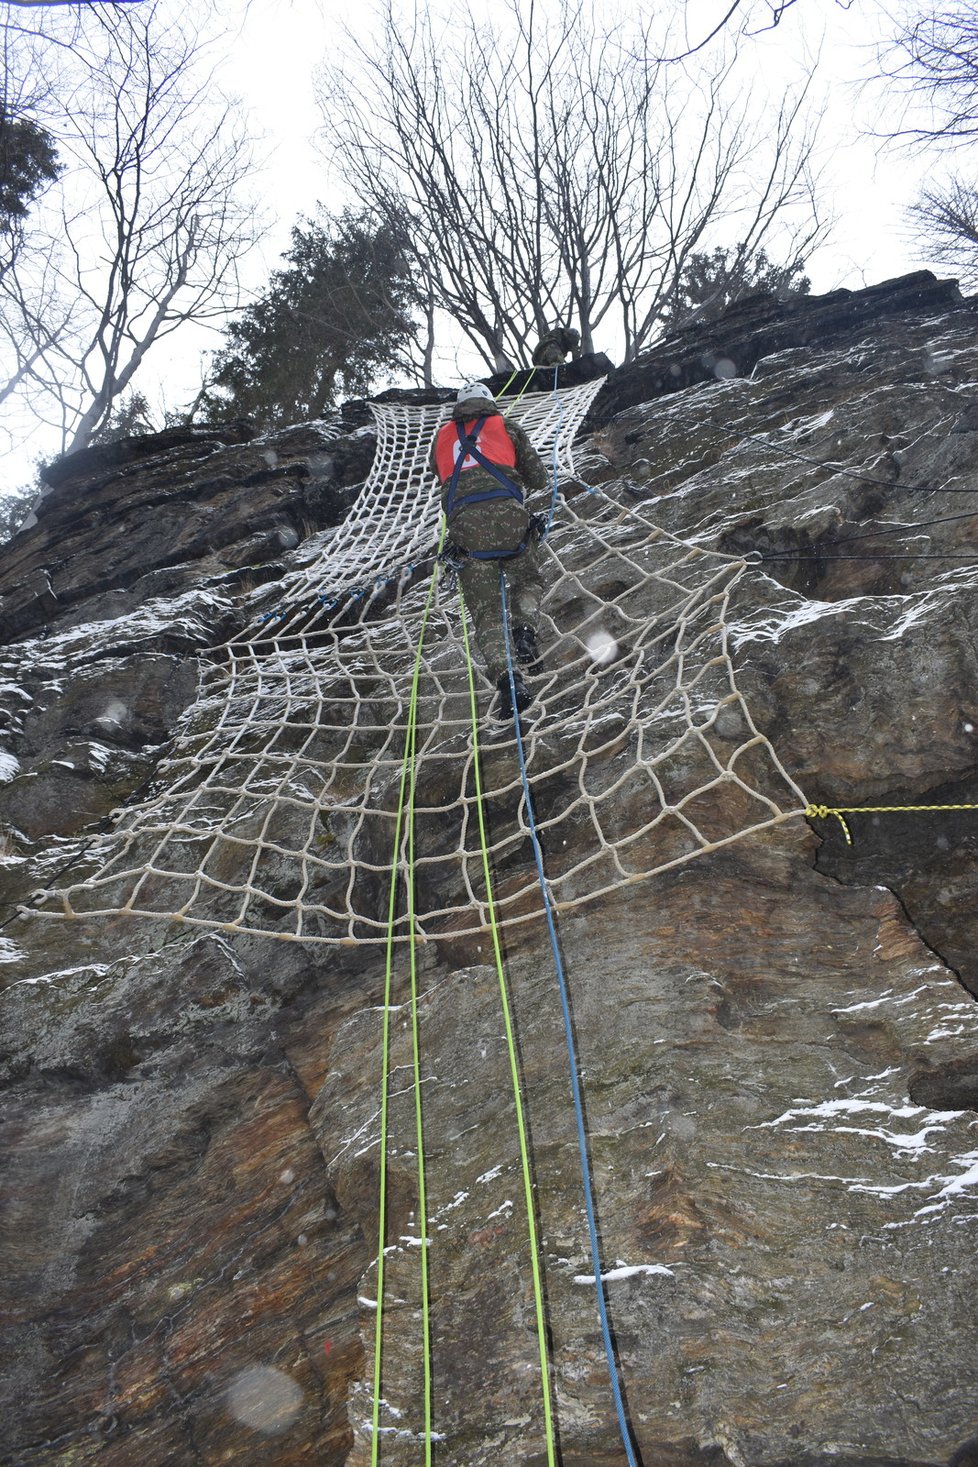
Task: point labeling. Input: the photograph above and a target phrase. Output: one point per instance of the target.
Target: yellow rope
(405, 802)
(531, 373)
(521, 1127)
(822, 812)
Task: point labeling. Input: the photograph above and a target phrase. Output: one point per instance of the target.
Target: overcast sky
(270, 62)
(281, 41)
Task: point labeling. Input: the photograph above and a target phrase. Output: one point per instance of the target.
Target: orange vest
(493, 441)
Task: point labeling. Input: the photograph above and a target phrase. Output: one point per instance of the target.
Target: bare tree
(149, 226)
(79, 4)
(742, 18)
(933, 59)
(945, 222)
(546, 172)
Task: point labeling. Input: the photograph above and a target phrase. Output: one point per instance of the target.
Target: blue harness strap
(496, 554)
(469, 448)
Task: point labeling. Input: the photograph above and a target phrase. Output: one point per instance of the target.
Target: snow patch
(97, 970)
(626, 1271)
(875, 1003)
(9, 766)
(456, 1201)
(779, 622)
(815, 1117)
(99, 756)
(947, 1188)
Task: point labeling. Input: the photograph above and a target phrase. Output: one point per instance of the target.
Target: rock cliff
(778, 1041)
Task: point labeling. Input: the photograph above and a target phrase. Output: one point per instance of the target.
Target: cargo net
(275, 812)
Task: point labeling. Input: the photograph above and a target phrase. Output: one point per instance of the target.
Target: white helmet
(472, 392)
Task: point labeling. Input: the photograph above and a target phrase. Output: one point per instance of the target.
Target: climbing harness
(822, 812)
(538, 527)
(613, 1371)
(468, 447)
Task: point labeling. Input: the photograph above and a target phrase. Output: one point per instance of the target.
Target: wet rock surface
(779, 1042)
(171, 511)
(762, 326)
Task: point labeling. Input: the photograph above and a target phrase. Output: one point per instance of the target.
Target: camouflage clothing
(554, 345)
(497, 524)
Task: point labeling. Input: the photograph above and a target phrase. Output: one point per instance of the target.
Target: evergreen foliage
(14, 509)
(130, 418)
(711, 283)
(338, 315)
(27, 161)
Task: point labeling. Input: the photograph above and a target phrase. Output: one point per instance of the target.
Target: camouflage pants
(498, 524)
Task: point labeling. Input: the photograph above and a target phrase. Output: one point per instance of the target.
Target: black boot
(525, 643)
(523, 695)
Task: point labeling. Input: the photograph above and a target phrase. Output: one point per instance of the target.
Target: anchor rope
(822, 812)
(525, 1166)
(405, 827)
(573, 1065)
(406, 797)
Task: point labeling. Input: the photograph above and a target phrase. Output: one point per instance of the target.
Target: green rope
(513, 1065)
(532, 372)
(409, 764)
(416, 1065)
(504, 389)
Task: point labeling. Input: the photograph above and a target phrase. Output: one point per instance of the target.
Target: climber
(554, 345)
(490, 529)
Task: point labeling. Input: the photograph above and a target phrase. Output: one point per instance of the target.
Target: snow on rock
(626, 1271)
(193, 1119)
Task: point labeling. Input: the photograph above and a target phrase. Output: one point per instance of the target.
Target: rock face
(778, 1041)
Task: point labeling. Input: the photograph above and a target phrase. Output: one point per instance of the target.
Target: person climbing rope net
(487, 466)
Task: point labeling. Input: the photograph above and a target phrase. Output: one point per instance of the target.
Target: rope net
(274, 812)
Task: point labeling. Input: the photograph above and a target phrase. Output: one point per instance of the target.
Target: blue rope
(626, 1435)
(556, 466)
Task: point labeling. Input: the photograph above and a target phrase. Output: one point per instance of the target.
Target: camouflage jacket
(554, 345)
